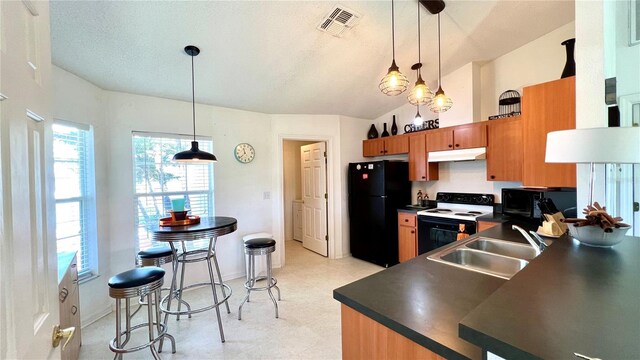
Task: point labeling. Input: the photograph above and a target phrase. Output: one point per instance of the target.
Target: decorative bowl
(178, 215)
(595, 236)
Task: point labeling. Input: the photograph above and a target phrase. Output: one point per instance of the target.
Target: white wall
(79, 101)
(539, 61)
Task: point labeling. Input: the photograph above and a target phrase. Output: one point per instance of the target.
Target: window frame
(136, 195)
(87, 202)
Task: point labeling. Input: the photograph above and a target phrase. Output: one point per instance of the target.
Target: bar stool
(145, 281)
(156, 257)
(253, 248)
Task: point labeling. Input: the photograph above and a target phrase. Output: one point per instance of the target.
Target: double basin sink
(485, 255)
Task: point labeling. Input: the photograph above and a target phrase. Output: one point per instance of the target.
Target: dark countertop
(572, 298)
(569, 299)
(494, 217)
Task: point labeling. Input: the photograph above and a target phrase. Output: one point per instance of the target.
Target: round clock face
(245, 153)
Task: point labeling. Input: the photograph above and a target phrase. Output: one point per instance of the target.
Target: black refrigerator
(376, 190)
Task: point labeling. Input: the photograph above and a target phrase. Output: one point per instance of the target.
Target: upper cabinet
(419, 168)
(390, 145)
(457, 137)
(547, 107)
(504, 149)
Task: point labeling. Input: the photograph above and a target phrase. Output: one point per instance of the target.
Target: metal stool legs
(250, 284)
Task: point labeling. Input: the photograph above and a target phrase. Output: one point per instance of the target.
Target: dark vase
(570, 66)
(385, 133)
(373, 132)
(394, 127)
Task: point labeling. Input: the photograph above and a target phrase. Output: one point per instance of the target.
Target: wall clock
(244, 153)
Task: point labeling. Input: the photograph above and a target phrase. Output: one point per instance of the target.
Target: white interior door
(314, 197)
(28, 262)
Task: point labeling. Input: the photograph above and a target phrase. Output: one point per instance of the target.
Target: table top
(211, 226)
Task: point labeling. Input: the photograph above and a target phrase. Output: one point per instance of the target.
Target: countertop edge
(410, 334)
(499, 347)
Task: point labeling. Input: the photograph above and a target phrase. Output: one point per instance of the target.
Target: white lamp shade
(611, 145)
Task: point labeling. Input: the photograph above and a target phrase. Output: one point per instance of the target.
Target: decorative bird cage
(509, 102)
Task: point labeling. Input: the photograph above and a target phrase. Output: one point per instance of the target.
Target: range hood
(458, 155)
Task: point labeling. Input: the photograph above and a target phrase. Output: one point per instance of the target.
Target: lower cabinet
(484, 225)
(69, 297)
(365, 338)
(407, 236)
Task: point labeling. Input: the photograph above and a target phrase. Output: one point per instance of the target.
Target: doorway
(304, 193)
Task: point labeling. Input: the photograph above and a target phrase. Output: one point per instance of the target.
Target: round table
(210, 228)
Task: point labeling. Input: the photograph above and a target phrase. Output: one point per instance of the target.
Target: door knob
(59, 334)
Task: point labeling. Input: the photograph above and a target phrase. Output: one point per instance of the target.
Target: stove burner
(474, 212)
(439, 210)
(464, 214)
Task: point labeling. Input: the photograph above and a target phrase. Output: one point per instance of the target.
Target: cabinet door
(504, 150)
(419, 168)
(373, 147)
(547, 107)
(439, 140)
(469, 136)
(484, 225)
(396, 145)
(407, 245)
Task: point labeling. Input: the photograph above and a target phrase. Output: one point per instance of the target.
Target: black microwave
(523, 202)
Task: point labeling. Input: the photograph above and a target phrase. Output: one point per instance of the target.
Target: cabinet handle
(450, 145)
(424, 177)
(381, 151)
(406, 220)
(413, 231)
(457, 145)
(493, 176)
(74, 310)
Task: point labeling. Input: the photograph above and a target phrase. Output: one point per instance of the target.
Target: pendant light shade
(440, 102)
(420, 94)
(193, 155)
(394, 83)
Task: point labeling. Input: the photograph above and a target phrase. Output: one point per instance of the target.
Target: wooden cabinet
(365, 338)
(407, 236)
(297, 220)
(547, 107)
(504, 150)
(458, 137)
(391, 145)
(484, 225)
(69, 297)
(419, 168)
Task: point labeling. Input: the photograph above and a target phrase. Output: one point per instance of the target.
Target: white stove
(461, 206)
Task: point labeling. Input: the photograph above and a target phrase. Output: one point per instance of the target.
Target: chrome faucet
(537, 246)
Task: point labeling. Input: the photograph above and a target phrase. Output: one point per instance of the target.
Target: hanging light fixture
(394, 83)
(194, 154)
(420, 94)
(417, 121)
(440, 102)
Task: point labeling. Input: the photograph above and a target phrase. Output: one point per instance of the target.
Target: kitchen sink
(488, 256)
(501, 247)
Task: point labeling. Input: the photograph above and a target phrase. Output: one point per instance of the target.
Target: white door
(28, 263)
(314, 197)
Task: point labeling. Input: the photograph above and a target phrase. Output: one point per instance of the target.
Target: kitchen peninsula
(569, 299)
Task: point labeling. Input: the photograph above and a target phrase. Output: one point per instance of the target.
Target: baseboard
(90, 319)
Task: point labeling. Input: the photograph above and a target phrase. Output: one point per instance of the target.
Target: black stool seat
(136, 277)
(259, 243)
(154, 253)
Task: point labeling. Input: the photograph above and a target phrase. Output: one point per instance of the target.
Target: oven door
(434, 232)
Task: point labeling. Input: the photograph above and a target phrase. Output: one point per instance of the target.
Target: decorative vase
(570, 66)
(385, 133)
(373, 132)
(394, 127)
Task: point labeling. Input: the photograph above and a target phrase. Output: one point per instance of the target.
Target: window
(74, 193)
(158, 180)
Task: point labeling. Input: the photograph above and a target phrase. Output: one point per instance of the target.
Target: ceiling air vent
(338, 20)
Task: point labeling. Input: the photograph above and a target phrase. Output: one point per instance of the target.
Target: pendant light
(394, 83)
(193, 155)
(417, 121)
(440, 102)
(420, 94)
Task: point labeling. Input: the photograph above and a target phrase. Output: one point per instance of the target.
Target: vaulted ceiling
(268, 56)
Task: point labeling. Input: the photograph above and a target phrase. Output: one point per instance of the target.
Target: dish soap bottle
(462, 232)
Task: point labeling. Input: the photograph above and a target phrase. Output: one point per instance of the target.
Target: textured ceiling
(267, 56)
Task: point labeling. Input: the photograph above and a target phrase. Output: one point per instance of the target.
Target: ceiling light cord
(393, 32)
(193, 98)
(439, 59)
(419, 58)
